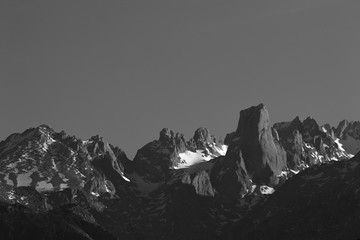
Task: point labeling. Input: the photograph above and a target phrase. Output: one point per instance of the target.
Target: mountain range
(287, 180)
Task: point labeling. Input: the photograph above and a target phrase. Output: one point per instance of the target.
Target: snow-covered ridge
(189, 158)
(50, 161)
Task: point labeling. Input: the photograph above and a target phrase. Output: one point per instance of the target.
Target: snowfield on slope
(189, 158)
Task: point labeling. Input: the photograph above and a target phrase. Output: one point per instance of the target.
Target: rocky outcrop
(295, 151)
(263, 155)
(341, 127)
(201, 182)
(153, 161)
(51, 161)
(306, 143)
(310, 129)
(349, 135)
(26, 196)
(171, 150)
(201, 137)
(229, 177)
(229, 138)
(254, 156)
(109, 160)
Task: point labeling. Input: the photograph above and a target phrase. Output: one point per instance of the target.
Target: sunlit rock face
(254, 157)
(263, 155)
(51, 161)
(306, 143)
(172, 151)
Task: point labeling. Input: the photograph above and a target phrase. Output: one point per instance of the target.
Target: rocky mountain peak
(263, 156)
(166, 136)
(255, 118)
(202, 134)
(47, 161)
(341, 127)
(349, 134)
(97, 138)
(191, 185)
(310, 128)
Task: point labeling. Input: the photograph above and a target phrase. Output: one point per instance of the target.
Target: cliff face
(263, 155)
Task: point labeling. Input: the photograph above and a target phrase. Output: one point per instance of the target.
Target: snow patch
(308, 146)
(11, 195)
(340, 146)
(222, 150)
(24, 179)
(125, 178)
(95, 194)
(44, 186)
(266, 190)
(294, 172)
(190, 158)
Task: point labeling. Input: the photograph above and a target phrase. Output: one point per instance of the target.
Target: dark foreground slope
(65, 223)
(322, 202)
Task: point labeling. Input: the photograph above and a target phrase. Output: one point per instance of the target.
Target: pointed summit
(341, 127)
(202, 134)
(166, 135)
(263, 156)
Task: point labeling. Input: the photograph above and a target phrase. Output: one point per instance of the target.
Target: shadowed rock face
(154, 160)
(65, 223)
(310, 129)
(341, 127)
(295, 152)
(264, 157)
(254, 152)
(349, 135)
(230, 178)
(229, 138)
(306, 143)
(201, 182)
(110, 160)
(202, 135)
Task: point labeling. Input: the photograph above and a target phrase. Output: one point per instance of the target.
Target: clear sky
(126, 69)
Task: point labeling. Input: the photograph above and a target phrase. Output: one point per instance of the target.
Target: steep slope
(171, 151)
(51, 161)
(258, 144)
(349, 135)
(319, 203)
(306, 144)
(68, 222)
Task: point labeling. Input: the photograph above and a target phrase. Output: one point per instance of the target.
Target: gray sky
(126, 69)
